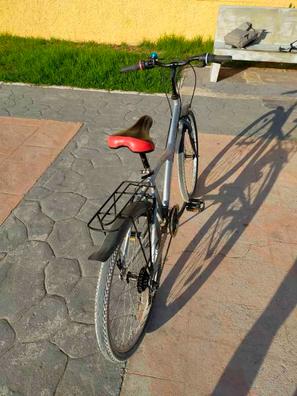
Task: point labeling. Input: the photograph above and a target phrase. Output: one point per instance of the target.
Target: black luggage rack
(114, 206)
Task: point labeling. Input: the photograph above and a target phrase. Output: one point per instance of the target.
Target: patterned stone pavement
(27, 148)
(47, 285)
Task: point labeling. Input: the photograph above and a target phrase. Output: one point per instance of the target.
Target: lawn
(91, 65)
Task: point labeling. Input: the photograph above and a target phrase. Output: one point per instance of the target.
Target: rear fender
(119, 230)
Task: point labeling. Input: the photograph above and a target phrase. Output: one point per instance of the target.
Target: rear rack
(113, 207)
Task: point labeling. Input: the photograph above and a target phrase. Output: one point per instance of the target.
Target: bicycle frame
(160, 217)
(167, 158)
(138, 222)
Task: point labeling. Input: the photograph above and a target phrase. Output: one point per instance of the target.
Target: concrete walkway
(47, 285)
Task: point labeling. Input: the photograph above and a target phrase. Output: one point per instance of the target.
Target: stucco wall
(116, 21)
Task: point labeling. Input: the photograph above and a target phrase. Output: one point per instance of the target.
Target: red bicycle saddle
(136, 138)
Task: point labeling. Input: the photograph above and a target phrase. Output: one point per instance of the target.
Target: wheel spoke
(127, 307)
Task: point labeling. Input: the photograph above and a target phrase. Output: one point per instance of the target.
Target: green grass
(91, 65)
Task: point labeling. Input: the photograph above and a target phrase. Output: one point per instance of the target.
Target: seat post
(144, 160)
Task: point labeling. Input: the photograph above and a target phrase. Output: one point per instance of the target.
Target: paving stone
(53, 134)
(4, 268)
(62, 206)
(81, 301)
(91, 138)
(39, 225)
(95, 192)
(89, 268)
(82, 166)
(12, 234)
(36, 193)
(5, 391)
(99, 158)
(70, 238)
(42, 320)
(142, 385)
(64, 181)
(8, 202)
(7, 337)
(48, 174)
(220, 372)
(65, 160)
(20, 289)
(87, 153)
(61, 275)
(90, 376)
(100, 178)
(32, 369)
(88, 210)
(76, 340)
(74, 113)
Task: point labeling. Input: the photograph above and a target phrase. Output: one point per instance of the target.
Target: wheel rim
(190, 162)
(127, 308)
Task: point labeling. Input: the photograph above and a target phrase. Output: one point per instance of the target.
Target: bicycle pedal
(195, 205)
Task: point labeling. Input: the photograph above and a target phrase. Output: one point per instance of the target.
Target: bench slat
(259, 56)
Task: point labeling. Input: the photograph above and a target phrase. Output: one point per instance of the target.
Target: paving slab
(39, 248)
(223, 320)
(27, 148)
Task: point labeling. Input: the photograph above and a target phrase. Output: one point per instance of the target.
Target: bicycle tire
(188, 173)
(108, 290)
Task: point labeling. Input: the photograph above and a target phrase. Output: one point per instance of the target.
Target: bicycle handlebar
(205, 59)
(211, 58)
(141, 65)
(131, 68)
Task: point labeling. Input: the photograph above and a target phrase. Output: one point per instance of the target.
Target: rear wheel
(123, 297)
(188, 157)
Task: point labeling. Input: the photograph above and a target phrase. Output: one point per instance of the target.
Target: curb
(19, 84)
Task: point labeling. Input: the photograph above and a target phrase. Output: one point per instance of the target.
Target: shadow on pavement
(252, 175)
(290, 92)
(232, 382)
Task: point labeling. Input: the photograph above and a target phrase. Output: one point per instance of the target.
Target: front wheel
(188, 157)
(123, 297)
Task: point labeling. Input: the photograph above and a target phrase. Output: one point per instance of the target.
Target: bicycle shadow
(243, 180)
(289, 92)
(282, 304)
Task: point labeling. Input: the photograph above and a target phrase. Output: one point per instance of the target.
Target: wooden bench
(279, 26)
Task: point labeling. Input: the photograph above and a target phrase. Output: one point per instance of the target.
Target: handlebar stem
(174, 94)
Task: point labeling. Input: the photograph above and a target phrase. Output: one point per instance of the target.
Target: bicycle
(137, 221)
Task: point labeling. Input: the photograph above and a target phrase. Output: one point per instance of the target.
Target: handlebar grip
(218, 58)
(141, 65)
(131, 68)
